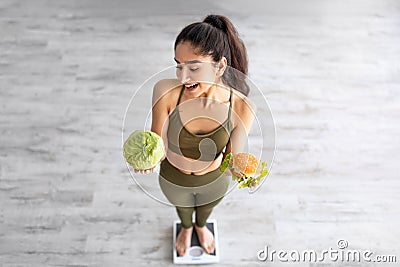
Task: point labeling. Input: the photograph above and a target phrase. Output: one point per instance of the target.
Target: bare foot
(183, 240)
(206, 239)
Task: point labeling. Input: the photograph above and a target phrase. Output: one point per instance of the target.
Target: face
(198, 73)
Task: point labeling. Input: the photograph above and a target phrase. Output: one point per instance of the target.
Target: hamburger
(246, 169)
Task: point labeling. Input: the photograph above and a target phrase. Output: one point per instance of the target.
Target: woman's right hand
(149, 170)
(145, 171)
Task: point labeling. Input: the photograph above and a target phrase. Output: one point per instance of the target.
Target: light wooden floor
(329, 69)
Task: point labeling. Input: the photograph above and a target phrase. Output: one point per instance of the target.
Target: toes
(181, 251)
(210, 248)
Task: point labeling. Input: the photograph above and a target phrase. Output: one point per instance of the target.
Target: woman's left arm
(242, 116)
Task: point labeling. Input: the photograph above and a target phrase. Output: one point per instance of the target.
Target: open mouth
(191, 86)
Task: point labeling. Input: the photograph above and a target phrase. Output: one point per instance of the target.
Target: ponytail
(238, 55)
(216, 36)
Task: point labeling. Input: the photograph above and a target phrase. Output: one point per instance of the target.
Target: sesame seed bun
(244, 164)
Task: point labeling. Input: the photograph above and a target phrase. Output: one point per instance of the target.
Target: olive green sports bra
(204, 147)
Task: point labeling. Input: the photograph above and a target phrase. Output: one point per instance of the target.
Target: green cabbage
(143, 149)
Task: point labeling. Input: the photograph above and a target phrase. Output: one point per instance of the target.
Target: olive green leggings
(189, 193)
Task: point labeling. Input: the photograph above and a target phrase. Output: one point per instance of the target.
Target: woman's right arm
(159, 110)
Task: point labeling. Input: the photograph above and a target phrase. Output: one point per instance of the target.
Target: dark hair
(216, 36)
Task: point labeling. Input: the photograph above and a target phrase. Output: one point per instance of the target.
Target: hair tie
(215, 21)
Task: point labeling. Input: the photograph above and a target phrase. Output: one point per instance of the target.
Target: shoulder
(166, 91)
(242, 105)
(244, 109)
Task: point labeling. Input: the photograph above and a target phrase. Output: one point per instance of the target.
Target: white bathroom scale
(196, 254)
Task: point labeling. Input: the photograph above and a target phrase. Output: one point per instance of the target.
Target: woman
(202, 116)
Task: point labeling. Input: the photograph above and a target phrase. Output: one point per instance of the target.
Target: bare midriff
(192, 166)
